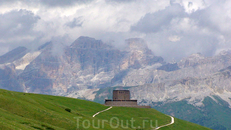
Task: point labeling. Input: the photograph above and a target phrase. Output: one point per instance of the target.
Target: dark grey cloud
(212, 17)
(154, 22)
(17, 23)
(29, 2)
(120, 1)
(50, 3)
(7, 1)
(63, 2)
(16, 28)
(76, 22)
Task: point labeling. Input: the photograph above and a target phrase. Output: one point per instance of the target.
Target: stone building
(121, 95)
(122, 98)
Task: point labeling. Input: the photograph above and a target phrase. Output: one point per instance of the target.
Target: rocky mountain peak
(138, 55)
(196, 56)
(136, 44)
(88, 43)
(191, 60)
(14, 54)
(224, 52)
(47, 45)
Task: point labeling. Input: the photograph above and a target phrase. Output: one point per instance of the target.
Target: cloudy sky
(172, 28)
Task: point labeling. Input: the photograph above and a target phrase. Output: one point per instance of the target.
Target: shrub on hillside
(68, 109)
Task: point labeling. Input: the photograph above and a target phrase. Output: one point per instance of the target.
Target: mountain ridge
(89, 65)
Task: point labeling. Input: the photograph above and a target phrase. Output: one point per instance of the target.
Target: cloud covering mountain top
(172, 28)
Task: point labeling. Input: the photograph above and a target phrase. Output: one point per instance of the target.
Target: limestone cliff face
(138, 55)
(195, 78)
(8, 78)
(86, 64)
(192, 89)
(37, 76)
(92, 56)
(192, 60)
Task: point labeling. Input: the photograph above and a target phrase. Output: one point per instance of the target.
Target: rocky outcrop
(13, 55)
(8, 78)
(138, 55)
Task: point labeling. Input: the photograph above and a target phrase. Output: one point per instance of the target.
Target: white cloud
(173, 28)
(174, 38)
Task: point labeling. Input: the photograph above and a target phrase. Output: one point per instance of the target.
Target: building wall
(121, 95)
(122, 98)
(121, 102)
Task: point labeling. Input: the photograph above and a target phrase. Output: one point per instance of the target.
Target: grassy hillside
(43, 112)
(215, 115)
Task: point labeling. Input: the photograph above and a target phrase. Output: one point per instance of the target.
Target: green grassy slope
(43, 112)
(215, 115)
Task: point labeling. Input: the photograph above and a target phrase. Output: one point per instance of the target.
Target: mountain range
(89, 68)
